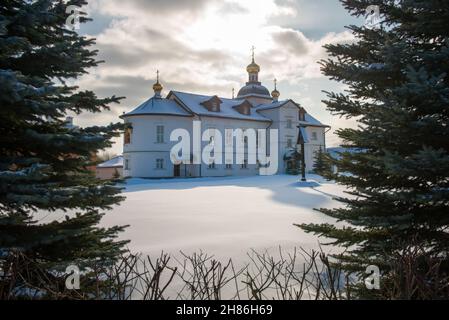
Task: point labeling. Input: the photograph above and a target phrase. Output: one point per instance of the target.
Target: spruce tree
(397, 76)
(43, 162)
(322, 165)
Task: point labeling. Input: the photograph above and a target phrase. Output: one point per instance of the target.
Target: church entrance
(177, 169)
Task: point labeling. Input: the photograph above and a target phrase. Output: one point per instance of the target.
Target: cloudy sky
(203, 46)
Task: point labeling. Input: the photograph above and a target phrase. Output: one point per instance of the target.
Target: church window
(289, 123)
(128, 132)
(127, 164)
(160, 164)
(314, 136)
(289, 143)
(160, 134)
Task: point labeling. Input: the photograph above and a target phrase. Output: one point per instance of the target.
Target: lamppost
(302, 139)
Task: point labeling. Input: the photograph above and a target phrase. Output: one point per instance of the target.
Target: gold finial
(275, 94)
(253, 67)
(157, 87)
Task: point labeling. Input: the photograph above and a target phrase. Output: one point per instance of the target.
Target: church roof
(312, 121)
(116, 162)
(227, 110)
(158, 106)
(309, 120)
(272, 105)
(189, 104)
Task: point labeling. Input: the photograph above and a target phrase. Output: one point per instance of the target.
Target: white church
(147, 145)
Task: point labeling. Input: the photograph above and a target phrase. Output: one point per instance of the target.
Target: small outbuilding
(111, 169)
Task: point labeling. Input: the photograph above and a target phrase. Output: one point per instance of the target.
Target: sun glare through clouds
(204, 46)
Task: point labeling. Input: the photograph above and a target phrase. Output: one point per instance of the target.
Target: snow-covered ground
(224, 217)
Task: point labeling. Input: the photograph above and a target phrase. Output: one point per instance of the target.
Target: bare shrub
(417, 274)
(292, 276)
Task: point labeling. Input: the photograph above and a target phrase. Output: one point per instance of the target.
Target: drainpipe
(324, 138)
(301, 141)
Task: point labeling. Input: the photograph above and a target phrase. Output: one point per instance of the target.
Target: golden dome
(157, 86)
(253, 68)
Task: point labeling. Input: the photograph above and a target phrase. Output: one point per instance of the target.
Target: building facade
(111, 169)
(147, 145)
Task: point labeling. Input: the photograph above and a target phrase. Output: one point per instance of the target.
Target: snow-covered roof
(310, 120)
(273, 105)
(227, 110)
(158, 106)
(188, 104)
(116, 162)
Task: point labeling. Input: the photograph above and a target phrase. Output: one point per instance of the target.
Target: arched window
(128, 133)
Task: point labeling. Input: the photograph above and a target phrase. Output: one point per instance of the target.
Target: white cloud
(202, 46)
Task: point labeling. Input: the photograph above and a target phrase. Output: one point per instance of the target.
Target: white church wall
(281, 117)
(288, 130)
(222, 124)
(143, 152)
(144, 149)
(274, 115)
(144, 165)
(316, 137)
(144, 133)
